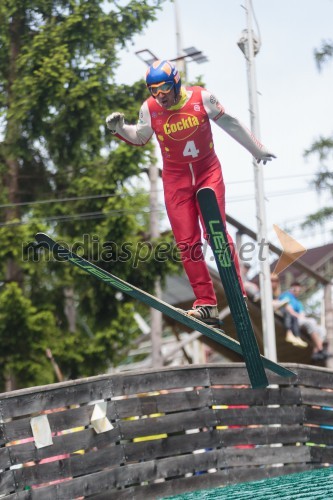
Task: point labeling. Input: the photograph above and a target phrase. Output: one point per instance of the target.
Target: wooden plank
(237, 475)
(233, 457)
(266, 455)
(98, 482)
(163, 403)
(86, 439)
(236, 376)
(260, 415)
(31, 400)
(245, 396)
(4, 458)
(262, 435)
(26, 401)
(205, 417)
(318, 416)
(20, 495)
(186, 443)
(321, 455)
(59, 421)
(76, 465)
(314, 396)
(3, 438)
(7, 482)
(171, 467)
(207, 459)
(178, 422)
(165, 447)
(148, 381)
(314, 377)
(319, 436)
(102, 485)
(189, 484)
(182, 410)
(171, 446)
(244, 474)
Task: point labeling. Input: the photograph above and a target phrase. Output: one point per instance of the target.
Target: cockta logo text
(179, 123)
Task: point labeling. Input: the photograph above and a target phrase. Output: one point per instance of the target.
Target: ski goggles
(160, 88)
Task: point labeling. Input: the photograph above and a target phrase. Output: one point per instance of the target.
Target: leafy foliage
(322, 148)
(324, 53)
(25, 333)
(64, 173)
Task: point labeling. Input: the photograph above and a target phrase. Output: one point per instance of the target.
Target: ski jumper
(190, 163)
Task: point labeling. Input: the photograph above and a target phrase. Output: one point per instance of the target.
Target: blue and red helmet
(163, 72)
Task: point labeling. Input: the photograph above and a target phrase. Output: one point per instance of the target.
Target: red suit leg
(180, 201)
(181, 184)
(213, 178)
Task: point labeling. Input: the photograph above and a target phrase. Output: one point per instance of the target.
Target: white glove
(115, 120)
(265, 157)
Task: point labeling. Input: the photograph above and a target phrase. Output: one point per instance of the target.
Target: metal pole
(268, 325)
(155, 316)
(328, 311)
(181, 63)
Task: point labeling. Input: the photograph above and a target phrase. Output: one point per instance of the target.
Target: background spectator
(290, 322)
(251, 288)
(309, 325)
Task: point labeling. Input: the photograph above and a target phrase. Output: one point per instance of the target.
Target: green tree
(33, 333)
(322, 149)
(64, 173)
(324, 53)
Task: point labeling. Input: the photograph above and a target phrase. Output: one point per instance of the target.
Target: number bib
(184, 135)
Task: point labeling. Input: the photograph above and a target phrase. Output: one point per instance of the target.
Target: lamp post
(185, 54)
(155, 315)
(250, 46)
(190, 54)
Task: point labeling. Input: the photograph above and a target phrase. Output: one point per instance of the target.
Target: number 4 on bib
(190, 149)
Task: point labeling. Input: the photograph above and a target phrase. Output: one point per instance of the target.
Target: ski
(218, 241)
(45, 241)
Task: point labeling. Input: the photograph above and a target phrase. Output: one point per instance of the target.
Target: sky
(294, 99)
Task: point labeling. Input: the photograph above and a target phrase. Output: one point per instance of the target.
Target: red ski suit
(189, 163)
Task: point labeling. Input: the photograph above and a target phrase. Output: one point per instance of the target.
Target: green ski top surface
(218, 239)
(60, 251)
